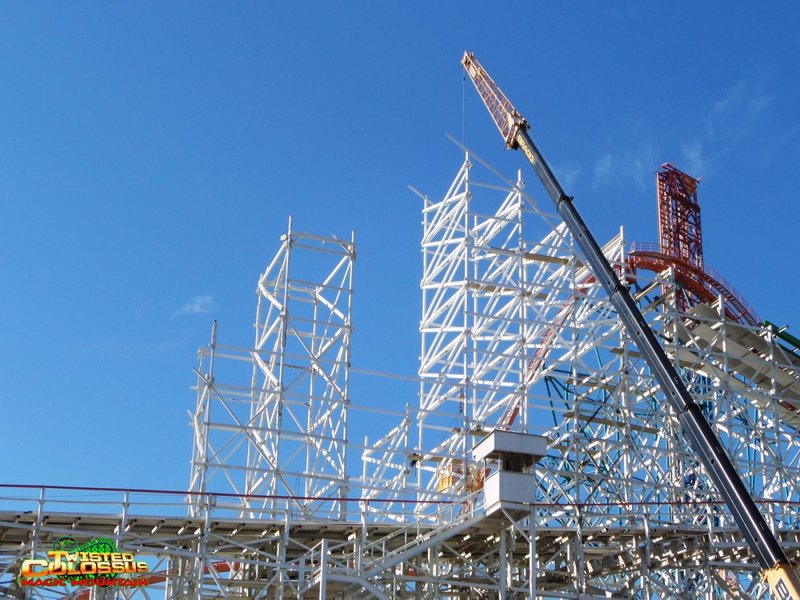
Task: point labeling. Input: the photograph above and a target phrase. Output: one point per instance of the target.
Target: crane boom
(776, 568)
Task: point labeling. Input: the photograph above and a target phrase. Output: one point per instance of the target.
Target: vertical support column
(202, 549)
(34, 538)
(323, 570)
(646, 557)
(580, 565)
(533, 561)
(119, 536)
(502, 565)
(427, 589)
(281, 574)
(521, 400)
(201, 420)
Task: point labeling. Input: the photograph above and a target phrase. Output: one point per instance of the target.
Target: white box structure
(510, 486)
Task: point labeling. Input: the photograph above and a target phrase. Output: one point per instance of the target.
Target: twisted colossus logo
(95, 563)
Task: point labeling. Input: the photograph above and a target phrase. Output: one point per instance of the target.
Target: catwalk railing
(83, 502)
(220, 551)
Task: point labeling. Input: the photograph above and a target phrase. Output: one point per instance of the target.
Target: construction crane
(776, 568)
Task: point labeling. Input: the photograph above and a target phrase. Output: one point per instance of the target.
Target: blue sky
(151, 152)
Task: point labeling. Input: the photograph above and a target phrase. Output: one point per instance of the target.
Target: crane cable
(463, 106)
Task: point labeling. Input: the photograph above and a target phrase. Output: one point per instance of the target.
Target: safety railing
(654, 248)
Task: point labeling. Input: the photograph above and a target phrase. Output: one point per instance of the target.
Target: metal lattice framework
(680, 232)
(285, 434)
(515, 335)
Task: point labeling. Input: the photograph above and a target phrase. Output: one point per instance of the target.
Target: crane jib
(782, 579)
(528, 152)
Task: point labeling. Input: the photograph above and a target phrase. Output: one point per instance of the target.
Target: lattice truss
(284, 435)
(517, 334)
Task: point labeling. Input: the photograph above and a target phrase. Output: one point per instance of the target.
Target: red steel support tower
(680, 247)
(679, 231)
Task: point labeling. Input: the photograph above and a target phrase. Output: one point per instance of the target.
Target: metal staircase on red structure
(680, 247)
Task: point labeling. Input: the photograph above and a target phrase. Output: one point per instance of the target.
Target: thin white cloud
(733, 97)
(198, 305)
(638, 165)
(602, 169)
(730, 123)
(695, 160)
(568, 175)
(632, 165)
